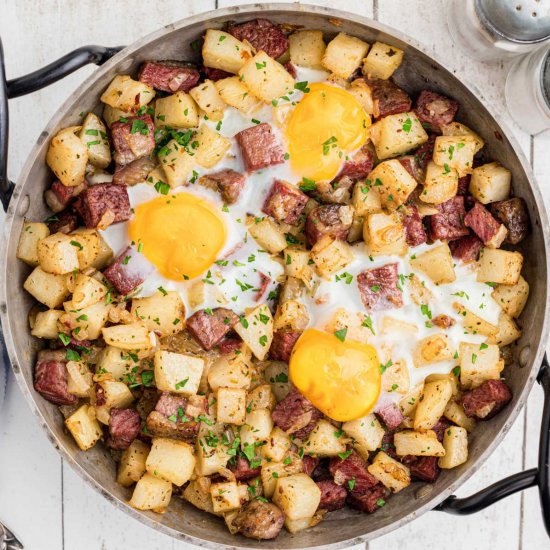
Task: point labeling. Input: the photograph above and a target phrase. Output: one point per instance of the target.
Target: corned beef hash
(275, 284)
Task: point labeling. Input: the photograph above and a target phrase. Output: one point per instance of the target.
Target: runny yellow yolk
(342, 379)
(180, 234)
(327, 124)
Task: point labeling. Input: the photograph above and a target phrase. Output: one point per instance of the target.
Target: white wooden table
(41, 499)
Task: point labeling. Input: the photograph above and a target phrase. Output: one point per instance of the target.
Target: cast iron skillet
(418, 71)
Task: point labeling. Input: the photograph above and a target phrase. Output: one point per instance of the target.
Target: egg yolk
(180, 234)
(342, 379)
(326, 124)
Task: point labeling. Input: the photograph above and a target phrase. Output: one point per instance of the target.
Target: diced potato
(84, 428)
(432, 403)
(225, 496)
(452, 376)
(409, 403)
(267, 79)
(31, 234)
(432, 349)
(390, 472)
(162, 312)
(436, 263)
(208, 99)
(131, 467)
(197, 493)
(261, 397)
(112, 364)
(176, 163)
(455, 413)
(499, 266)
(395, 377)
(256, 330)
(473, 323)
(391, 325)
(365, 199)
(291, 315)
(104, 257)
(177, 110)
(307, 48)
(324, 440)
(178, 373)
(67, 156)
(126, 94)
(234, 92)
(79, 381)
(367, 433)
(277, 445)
(257, 427)
(89, 247)
(268, 235)
(223, 51)
(455, 441)
(393, 182)
(410, 442)
(231, 406)
(276, 373)
(478, 363)
(512, 298)
(344, 54)
(297, 265)
(129, 337)
(458, 129)
(440, 185)
(117, 394)
(353, 322)
(151, 493)
(390, 137)
(455, 152)
(212, 147)
(419, 293)
(94, 135)
(110, 114)
(210, 460)
(171, 460)
(330, 255)
(87, 291)
(297, 525)
(271, 472)
(382, 61)
(230, 372)
(490, 183)
(47, 288)
(507, 331)
(45, 324)
(88, 321)
(363, 93)
(297, 496)
(385, 234)
(57, 254)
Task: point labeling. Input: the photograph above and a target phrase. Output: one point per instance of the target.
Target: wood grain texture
(47, 504)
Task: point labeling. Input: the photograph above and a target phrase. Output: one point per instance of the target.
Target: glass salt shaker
(527, 91)
(488, 30)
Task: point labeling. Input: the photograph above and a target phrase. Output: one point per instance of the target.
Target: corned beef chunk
(209, 327)
(379, 289)
(285, 203)
(102, 205)
(263, 35)
(486, 400)
(168, 76)
(296, 415)
(435, 110)
(259, 147)
(333, 220)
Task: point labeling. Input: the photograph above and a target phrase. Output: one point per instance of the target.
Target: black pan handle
(518, 482)
(35, 81)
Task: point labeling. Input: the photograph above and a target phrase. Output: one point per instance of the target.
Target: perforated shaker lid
(516, 20)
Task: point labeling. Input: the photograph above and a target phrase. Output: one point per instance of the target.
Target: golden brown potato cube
(265, 78)
(110, 114)
(297, 525)
(385, 234)
(325, 440)
(455, 413)
(409, 403)
(79, 379)
(391, 325)
(89, 245)
(455, 441)
(393, 182)
(212, 147)
(297, 496)
(31, 234)
(117, 394)
(208, 99)
(126, 94)
(225, 496)
(268, 235)
(271, 472)
(499, 266)
(210, 460)
(57, 254)
(382, 61)
(458, 129)
(49, 289)
(410, 442)
(390, 472)
(353, 322)
(490, 183)
(103, 259)
(89, 321)
(197, 493)
(456, 152)
(230, 372)
(231, 406)
(367, 433)
(223, 51)
(176, 163)
(440, 185)
(87, 291)
(178, 110)
(507, 331)
(344, 54)
(365, 199)
(452, 376)
(419, 293)
(45, 324)
(151, 493)
(171, 460)
(84, 428)
(363, 93)
(67, 156)
(129, 337)
(277, 446)
(433, 349)
(94, 135)
(436, 263)
(473, 323)
(256, 330)
(432, 403)
(178, 373)
(132, 463)
(478, 363)
(297, 265)
(512, 298)
(162, 312)
(257, 427)
(307, 48)
(330, 255)
(234, 92)
(395, 377)
(397, 134)
(291, 315)
(112, 364)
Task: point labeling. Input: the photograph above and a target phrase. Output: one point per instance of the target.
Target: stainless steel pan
(418, 71)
